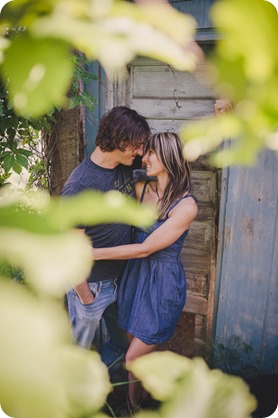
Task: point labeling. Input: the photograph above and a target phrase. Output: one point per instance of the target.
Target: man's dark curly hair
(120, 127)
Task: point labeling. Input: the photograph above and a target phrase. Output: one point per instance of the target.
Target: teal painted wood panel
(247, 296)
(95, 88)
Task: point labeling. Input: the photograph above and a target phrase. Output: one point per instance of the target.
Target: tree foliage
(21, 145)
(40, 37)
(112, 32)
(18, 138)
(243, 68)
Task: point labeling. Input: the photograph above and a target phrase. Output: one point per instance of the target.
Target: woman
(153, 289)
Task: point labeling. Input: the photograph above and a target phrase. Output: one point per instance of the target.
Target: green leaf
(13, 143)
(50, 377)
(35, 227)
(124, 30)
(181, 383)
(87, 383)
(36, 212)
(8, 162)
(11, 133)
(25, 152)
(17, 167)
(44, 76)
(22, 160)
(51, 273)
(93, 207)
(4, 154)
(161, 382)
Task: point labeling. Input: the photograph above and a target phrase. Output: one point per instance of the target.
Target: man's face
(127, 156)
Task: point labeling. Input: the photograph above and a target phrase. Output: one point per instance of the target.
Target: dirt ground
(182, 340)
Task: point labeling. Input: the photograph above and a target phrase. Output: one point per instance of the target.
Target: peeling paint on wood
(248, 292)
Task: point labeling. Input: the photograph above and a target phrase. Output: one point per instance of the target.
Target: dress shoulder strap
(143, 191)
(177, 201)
(190, 195)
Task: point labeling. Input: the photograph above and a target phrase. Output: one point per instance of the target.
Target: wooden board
(248, 271)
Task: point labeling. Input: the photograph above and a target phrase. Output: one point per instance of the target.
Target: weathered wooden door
(247, 290)
(170, 99)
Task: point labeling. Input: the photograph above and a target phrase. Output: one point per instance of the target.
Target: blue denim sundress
(152, 290)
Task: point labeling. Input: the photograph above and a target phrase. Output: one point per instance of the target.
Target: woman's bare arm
(179, 220)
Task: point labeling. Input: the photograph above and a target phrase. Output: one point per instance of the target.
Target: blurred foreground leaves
(42, 374)
(188, 388)
(42, 34)
(45, 60)
(34, 226)
(243, 68)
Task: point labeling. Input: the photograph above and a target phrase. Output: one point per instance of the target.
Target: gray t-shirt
(89, 176)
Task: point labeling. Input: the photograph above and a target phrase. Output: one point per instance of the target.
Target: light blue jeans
(85, 320)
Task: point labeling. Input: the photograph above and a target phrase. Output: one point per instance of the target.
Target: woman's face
(153, 165)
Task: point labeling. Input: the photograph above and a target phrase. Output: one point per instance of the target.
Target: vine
(21, 144)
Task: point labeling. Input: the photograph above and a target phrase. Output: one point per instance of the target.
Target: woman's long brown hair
(168, 149)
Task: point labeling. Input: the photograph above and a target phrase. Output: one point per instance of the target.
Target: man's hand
(84, 293)
(222, 106)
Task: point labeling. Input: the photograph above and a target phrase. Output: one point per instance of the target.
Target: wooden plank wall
(247, 298)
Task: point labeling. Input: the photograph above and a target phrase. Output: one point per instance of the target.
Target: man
(120, 139)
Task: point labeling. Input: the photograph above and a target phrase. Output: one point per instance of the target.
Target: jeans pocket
(95, 292)
(86, 312)
(87, 305)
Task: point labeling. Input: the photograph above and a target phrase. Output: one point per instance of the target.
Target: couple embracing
(137, 283)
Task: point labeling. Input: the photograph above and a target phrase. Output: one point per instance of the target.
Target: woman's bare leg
(136, 349)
